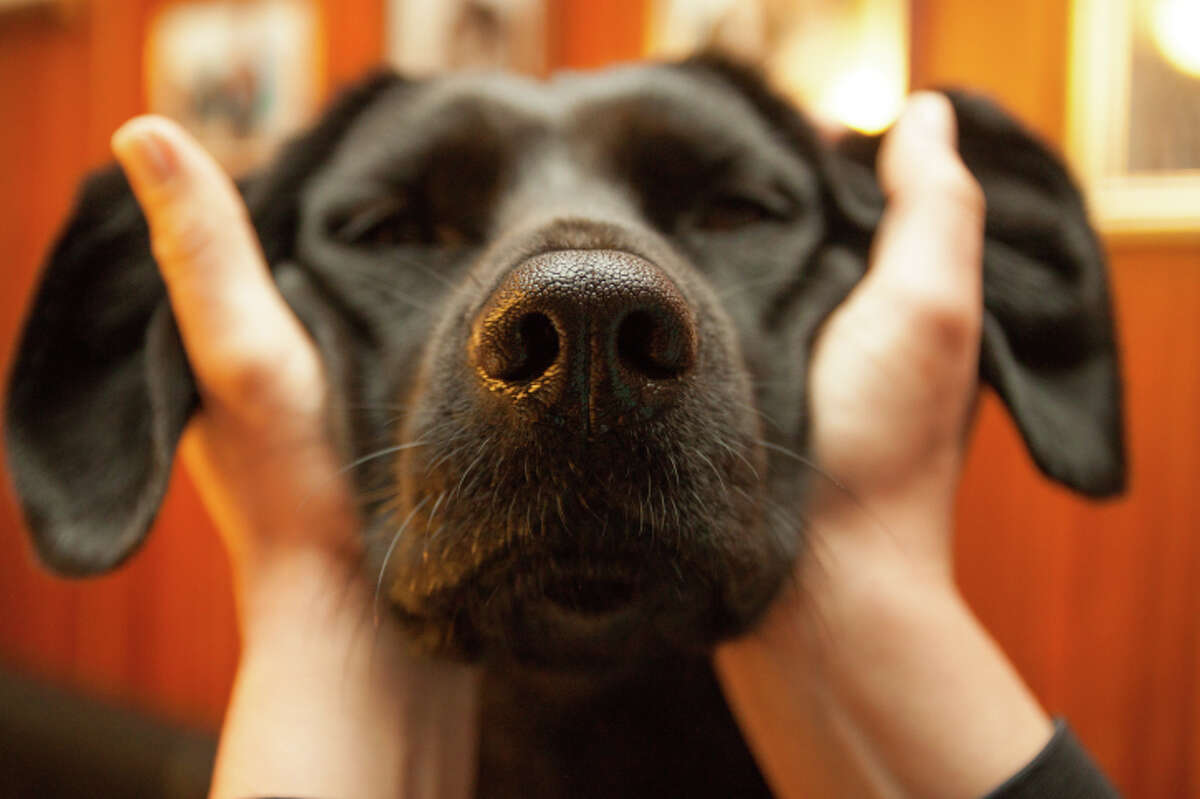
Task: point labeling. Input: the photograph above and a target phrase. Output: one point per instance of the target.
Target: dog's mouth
(576, 555)
(580, 606)
(579, 612)
(585, 589)
(589, 595)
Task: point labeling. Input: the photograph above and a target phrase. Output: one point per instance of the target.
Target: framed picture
(240, 76)
(425, 37)
(65, 9)
(1134, 112)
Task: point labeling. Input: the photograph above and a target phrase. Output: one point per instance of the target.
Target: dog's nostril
(653, 345)
(535, 351)
(586, 339)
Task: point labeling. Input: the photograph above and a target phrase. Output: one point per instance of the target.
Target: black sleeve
(1062, 770)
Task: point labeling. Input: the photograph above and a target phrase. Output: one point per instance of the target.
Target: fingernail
(140, 148)
(932, 114)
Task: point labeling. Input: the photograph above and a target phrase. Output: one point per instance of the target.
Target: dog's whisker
(662, 496)
(792, 523)
(380, 454)
(381, 495)
(482, 474)
(829, 478)
(562, 514)
(430, 272)
(716, 472)
(396, 409)
(447, 455)
(738, 454)
(483, 450)
(761, 414)
(390, 289)
(388, 555)
(396, 290)
(808, 462)
(433, 512)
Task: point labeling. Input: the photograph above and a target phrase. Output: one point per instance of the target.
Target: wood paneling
(159, 633)
(1096, 603)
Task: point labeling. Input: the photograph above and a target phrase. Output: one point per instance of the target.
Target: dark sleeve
(1062, 770)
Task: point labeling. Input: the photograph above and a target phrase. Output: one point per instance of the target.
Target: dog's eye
(732, 211)
(391, 221)
(377, 223)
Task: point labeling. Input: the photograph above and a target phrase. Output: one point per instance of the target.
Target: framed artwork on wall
(425, 37)
(62, 9)
(240, 76)
(1134, 112)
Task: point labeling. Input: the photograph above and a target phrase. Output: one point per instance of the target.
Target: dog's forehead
(569, 105)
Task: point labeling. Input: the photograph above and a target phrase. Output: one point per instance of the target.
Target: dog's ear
(100, 388)
(1049, 346)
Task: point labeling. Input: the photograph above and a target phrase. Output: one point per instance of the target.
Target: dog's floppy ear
(1049, 346)
(100, 389)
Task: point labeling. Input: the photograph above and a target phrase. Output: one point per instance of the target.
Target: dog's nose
(590, 338)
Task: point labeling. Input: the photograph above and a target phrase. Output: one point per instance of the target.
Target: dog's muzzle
(586, 491)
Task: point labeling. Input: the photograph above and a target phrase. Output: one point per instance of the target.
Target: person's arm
(871, 676)
(326, 702)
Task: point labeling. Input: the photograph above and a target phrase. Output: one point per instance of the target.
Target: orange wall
(1097, 604)
(159, 633)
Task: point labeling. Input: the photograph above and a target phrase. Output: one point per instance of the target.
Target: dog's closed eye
(731, 210)
(380, 222)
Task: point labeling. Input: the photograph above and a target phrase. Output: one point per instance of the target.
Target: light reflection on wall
(1176, 27)
(846, 61)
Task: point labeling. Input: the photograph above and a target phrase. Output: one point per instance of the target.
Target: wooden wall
(159, 633)
(1097, 604)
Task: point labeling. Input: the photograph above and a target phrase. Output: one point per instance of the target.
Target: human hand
(259, 447)
(869, 676)
(894, 370)
(323, 703)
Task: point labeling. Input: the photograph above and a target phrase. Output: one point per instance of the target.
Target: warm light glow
(848, 68)
(1176, 25)
(866, 98)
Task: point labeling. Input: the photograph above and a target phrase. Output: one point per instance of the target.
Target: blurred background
(1098, 605)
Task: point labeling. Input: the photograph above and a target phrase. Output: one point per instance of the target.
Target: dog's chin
(556, 632)
(547, 549)
(571, 614)
(599, 619)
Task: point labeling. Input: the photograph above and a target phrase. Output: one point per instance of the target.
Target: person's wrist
(906, 534)
(285, 586)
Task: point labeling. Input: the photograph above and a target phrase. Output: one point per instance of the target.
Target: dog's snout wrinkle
(593, 338)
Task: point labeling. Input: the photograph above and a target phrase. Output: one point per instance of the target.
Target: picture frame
(241, 77)
(1134, 185)
(63, 10)
(424, 38)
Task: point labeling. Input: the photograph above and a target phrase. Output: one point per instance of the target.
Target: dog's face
(566, 283)
(567, 326)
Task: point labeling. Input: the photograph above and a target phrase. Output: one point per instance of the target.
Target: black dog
(571, 321)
